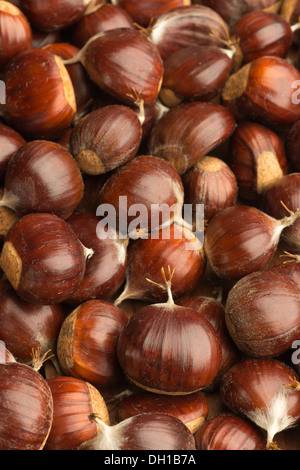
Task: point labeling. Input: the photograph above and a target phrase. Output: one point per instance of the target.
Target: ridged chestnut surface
(146, 431)
(106, 138)
(26, 408)
(74, 401)
(257, 158)
(260, 319)
(230, 432)
(259, 390)
(42, 176)
(87, 342)
(43, 259)
(169, 349)
(40, 98)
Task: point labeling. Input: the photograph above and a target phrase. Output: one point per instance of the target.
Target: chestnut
(40, 98)
(148, 186)
(106, 138)
(191, 409)
(10, 141)
(144, 12)
(256, 389)
(189, 131)
(55, 14)
(257, 158)
(42, 176)
(74, 400)
(282, 195)
(228, 431)
(291, 143)
(16, 32)
(25, 327)
(43, 259)
(265, 91)
(260, 33)
(194, 73)
(145, 431)
(26, 408)
(87, 343)
(243, 239)
(101, 17)
(174, 246)
(186, 26)
(259, 319)
(210, 182)
(136, 70)
(169, 349)
(106, 268)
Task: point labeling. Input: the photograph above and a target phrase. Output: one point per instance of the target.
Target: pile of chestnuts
(129, 318)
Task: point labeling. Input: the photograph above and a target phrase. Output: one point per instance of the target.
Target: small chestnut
(10, 141)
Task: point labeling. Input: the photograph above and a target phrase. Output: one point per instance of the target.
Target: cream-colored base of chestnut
(11, 264)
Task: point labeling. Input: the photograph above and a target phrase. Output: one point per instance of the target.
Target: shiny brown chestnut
(265, 91)
(16, 33)
(26, 327)
(257, 158)
(101, 17)
(146, 194)
(106, 139)
(214, 311)
(189, 131)
(243, 239)
(187, 26)
(258, 316)
(46, 105)
(42, 176)
(8, 217)
(258, 34)
(145, 431)
(144, 12)
(228, 431)
(257, 389)
(10, 141)
(210, 182)
(191, 409)
(231, 11)
(87, 343)
(106, 268)
(169, 349)
(43, 259)
(283, 194)
(194, 73)
(84, 88)
(136, 70)
(74, 400)
(55, 14)
(25, 421)
(174, 246)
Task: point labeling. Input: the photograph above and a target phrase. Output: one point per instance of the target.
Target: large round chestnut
(16, 32)
(168, 349)
(188, 132)
(172, 246)
(259, 389)
(42, 176)
(145, 194)
(106, 268)
(26, 327)
(74, 401)
(43, 259)
(106, 139)
(40, 98)
(26, 408)
(260, 319)
(124, 63)
(87, 342)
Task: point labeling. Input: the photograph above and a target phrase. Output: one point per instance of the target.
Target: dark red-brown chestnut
(10, 141)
